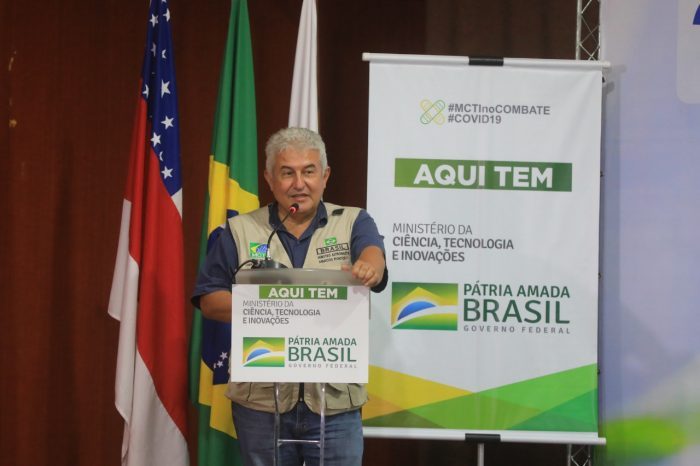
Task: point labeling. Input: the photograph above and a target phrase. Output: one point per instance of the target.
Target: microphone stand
(268, 263)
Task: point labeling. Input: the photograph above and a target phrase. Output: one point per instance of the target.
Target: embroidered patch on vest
(333, 253)
(257, 250)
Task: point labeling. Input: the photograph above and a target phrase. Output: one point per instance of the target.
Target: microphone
(268, 263)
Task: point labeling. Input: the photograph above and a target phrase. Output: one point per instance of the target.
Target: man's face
(297, 177)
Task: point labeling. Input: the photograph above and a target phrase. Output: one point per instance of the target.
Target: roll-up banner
(485, 182)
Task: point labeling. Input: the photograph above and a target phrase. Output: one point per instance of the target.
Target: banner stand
(480, 446)
(483, 61)
(489, 323)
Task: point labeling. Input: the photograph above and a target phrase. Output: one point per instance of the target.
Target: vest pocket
(238, 391)
(345, 396)
(250, 392)
(261, 392)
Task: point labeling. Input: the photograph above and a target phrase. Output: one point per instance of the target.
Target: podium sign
(299, 333)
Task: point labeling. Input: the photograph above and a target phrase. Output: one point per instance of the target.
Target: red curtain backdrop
(68, 88)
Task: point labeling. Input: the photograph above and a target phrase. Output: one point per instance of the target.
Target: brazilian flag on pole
(233, 190)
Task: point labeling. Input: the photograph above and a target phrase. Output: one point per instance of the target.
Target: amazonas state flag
(148, 294)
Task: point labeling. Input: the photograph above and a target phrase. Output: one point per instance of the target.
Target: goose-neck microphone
(268, 263)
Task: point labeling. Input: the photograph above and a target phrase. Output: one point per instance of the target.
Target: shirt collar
(320, 219)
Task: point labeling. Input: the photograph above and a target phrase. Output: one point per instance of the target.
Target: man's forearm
(216, 305)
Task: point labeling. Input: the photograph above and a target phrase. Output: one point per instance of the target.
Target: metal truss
(579, 455)
(587, 29)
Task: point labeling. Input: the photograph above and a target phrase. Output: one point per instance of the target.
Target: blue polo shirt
(217, 272)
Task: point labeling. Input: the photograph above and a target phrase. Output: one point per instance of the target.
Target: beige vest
(329, 249)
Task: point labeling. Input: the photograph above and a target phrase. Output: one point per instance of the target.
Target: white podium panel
(296, 332)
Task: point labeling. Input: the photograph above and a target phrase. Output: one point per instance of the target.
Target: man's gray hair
(294, 138)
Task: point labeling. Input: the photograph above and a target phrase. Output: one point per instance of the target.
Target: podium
(299, 326)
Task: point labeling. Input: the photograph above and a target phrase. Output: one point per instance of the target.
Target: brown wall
(68, 88)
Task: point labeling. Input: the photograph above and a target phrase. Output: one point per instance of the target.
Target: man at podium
(293, 231)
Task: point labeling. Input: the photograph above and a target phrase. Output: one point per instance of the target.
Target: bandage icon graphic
(432, 111)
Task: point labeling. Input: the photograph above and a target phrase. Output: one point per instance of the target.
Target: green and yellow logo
(263, 352)
(330, 241)
(424, 306)
(257, 250)
(432, 112)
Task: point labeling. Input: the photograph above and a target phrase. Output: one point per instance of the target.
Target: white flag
(303, 108)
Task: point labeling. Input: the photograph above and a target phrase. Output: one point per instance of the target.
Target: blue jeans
(344, 442)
